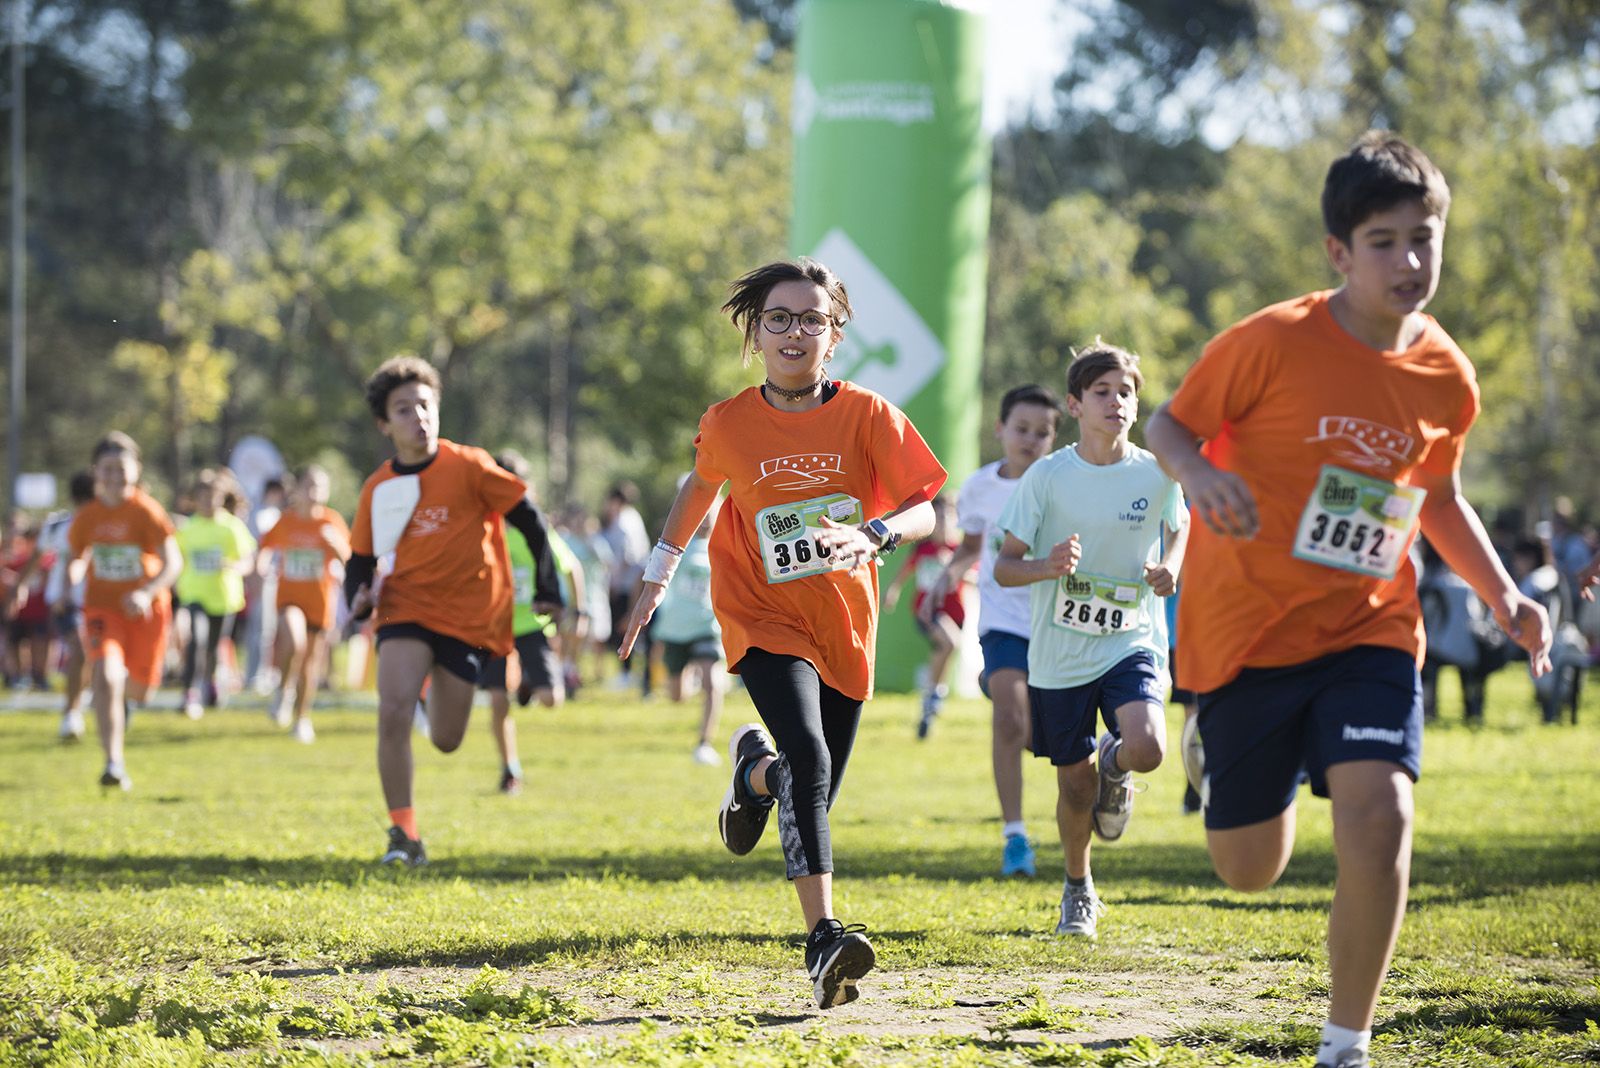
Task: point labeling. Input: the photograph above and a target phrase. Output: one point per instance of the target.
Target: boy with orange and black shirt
(1314, 439)
(444, 606)
(122, 546)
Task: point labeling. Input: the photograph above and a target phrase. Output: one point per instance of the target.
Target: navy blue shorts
(1001, 650)
(1064, 721)
(454, 655)
(1264, 727)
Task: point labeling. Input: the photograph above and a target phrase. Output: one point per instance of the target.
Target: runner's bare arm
(138, 601)
(1455, 530)
(1011, 569)
(1221, 499)
(689, 507)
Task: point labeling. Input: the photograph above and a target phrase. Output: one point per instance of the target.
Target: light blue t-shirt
(1118, 512)
(685, 614)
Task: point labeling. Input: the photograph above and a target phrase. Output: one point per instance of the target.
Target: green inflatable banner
(891, 190)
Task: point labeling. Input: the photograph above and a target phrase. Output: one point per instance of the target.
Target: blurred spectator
(623, 530)
(1537, 577)
(1461, 634)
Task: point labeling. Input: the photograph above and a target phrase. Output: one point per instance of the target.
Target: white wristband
(661, 565)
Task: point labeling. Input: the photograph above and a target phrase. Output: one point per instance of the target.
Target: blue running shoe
(1017, 858)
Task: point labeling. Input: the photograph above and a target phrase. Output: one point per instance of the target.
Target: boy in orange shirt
(1314, 439)
(121, 545)
(309, 544)
(435, 512)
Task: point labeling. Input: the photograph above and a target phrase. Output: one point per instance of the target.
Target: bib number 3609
(1356, 523)
(787, 535)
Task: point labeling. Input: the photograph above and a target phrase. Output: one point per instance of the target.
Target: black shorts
(23, 630)
(454, 655)
(678, 655)
(540, 666)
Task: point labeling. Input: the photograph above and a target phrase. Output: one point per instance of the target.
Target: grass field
(228, 910)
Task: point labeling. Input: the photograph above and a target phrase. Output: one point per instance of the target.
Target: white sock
(1336, 1040)
(1013, 827)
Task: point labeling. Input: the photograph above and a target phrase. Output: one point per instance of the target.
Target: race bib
(787, 534)
(302, 565)
(206, 561)
(118, 563)
(1093, 605)
(522, 585)
(1357, 523)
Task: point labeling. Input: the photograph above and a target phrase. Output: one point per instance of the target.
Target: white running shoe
(1113, 806)
(282, 707)
(704, 754)
(1080, 912)
(304, 732)
(191, 704)
(72, 725)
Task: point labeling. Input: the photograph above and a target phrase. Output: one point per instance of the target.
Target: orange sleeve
(1442, 456)
(498, 488)
(1228, 380)
(78, 535)
(271, 539)
(904, 466)
(158, 525)
(707, 464)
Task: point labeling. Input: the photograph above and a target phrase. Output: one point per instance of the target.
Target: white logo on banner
(900, 103)
(887, 347)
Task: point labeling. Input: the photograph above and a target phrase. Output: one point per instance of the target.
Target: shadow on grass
(1462, 871)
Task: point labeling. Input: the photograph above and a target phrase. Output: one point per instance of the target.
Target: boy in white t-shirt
(1026, 431)
(1098, 531)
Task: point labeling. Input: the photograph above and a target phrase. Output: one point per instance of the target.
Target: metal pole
(19, 29)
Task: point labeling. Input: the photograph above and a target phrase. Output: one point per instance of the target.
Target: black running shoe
(837, 956)
(404, 850)
(743, 815)
(510, 783)
(116, 777)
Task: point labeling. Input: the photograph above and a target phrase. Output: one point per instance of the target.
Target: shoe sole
(401, 860)
(836, 985)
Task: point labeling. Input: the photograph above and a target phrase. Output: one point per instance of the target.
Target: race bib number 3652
(1357, 523)
(787, 534)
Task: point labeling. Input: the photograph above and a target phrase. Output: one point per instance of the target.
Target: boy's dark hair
(391, 375)
(115, 441)
(1380, 171)
(623, 491)
(750, 295)
(1092, 361)
(1028, 394)
(81, 487)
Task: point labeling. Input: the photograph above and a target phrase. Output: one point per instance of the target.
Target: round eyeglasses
(778, 321)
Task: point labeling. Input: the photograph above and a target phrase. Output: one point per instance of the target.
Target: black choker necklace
(796, 394)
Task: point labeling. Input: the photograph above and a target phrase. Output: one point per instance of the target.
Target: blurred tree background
(238, 207)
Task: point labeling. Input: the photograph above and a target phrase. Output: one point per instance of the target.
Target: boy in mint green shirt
(534, 634)
(1097, 530)
(217, 551)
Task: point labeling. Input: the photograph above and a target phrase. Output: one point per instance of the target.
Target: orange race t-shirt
(309, 549)
(451, 573)
(853, 458)
(1328, 433)
(124, 544)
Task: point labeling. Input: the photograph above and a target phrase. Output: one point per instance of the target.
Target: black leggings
(814, 727)
(209, 629)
